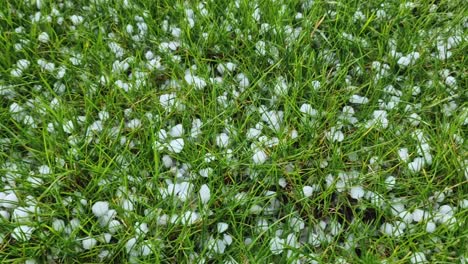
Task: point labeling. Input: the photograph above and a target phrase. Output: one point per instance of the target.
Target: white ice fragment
(308, 110)
(22, 233)
(205, 194)
(43, 37)
(418, 258)
(335, 135)
(100, 208)
(68, 127)
(356, 192)
(134, 124)
(167, 100)
(416, 165)
(403, 154)
(259, 157)
(176, 145)
(277, 245)
(222, 140)
(194, 80)
(88, 243)
(58, 225)
(222, 227)
(9, 201)
(253, 133)
(114, 226)
(307, 191)
(419, 215)
(176, 131)
(167, 161)
(243, 80)
(130, 245)
(357, 99)
(76, 20)
(430, 227)
(390, 181)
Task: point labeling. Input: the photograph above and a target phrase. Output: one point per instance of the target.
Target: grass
(84, 126)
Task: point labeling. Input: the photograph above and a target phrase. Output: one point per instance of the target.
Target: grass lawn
(264, 131)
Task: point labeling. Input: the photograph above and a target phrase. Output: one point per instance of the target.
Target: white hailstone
(130, 245)
(277, 245)
(205, 194)
(222, 227)
(134, 124)
(430, 227)
(242, 80)
(464, 203)
(106, 237)
(308, 110)
(281, 86)
(167, 100)
(145, 249)
(16, 73)
(415, 119)
(419, 215)
(223, 67)
(22, 233)
(68, 127)
(9, 201)
(335, 135)
(44, 169)
(194, 80)
(100, 208)
(127, 205)
(253, 133)
(390, 229)
(96, 126)
(4, 214)
(122, 85)
(43, 37)
(189, 218)
(205, 172)
(259, 157)
(149, 55)
(446, 209)
(20, 214)
(297, 224)
(105, 219)
(222, 140)
(167, 161)
(176, 131)
(390, 182)
(293, 134)
(256, 209)
(58, 225)
(380, 117)
(403, 154)
(76, 20)
(141, 228)
(176, 145)
(357, 99)
(406, 216)
(307, 191)
(114, 226)
(418, 258)
(88, 243)
(316, 85)
(451, 81)
(272, 118)
(416, 165)
(356, 192)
